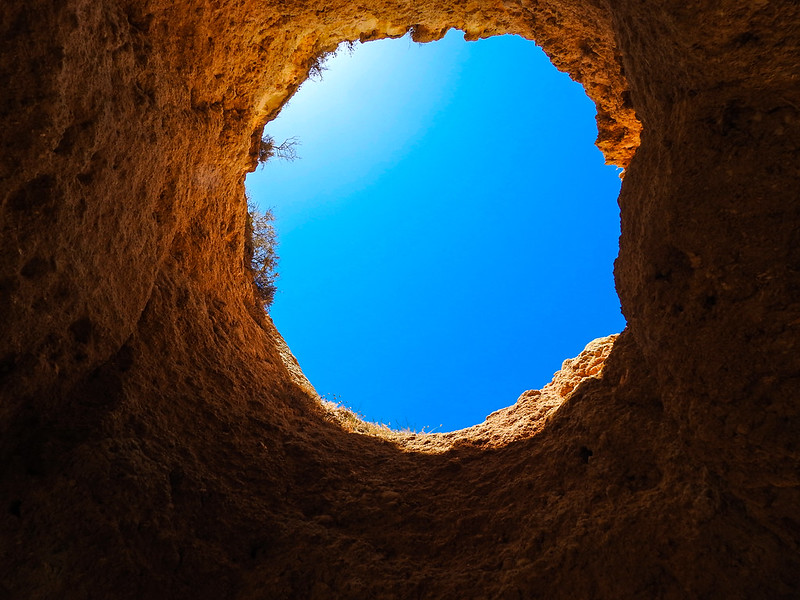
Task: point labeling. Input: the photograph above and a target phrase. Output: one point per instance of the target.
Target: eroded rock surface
(155, 442)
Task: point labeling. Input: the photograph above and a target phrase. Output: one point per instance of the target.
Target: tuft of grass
(355, 422)
(412, 430)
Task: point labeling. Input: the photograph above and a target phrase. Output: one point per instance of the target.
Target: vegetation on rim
(317, 64)
(268, 148)
(261, 244)
(261, 239)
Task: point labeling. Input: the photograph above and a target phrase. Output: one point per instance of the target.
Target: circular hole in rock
(447, 235)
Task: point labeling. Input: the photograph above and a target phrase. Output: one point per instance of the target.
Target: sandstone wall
(154, 442)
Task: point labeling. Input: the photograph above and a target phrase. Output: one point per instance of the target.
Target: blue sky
(447, 236)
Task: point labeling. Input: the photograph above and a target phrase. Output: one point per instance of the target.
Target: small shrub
(261, 246)
(317, 65)
(268, 148)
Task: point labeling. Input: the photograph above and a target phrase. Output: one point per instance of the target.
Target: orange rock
(157, 439)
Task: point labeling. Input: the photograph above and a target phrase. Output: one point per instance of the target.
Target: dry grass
(354, 422)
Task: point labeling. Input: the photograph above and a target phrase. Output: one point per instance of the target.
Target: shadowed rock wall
(155, 439)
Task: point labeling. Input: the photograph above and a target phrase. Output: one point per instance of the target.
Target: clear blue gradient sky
(447, 237)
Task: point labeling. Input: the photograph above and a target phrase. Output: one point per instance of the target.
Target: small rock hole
(7, 365)
(81, 330)
(34, 195)
(35, 268)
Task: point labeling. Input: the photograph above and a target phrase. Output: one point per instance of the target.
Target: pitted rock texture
(156, 438)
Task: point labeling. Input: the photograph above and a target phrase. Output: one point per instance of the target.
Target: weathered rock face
(153, 440)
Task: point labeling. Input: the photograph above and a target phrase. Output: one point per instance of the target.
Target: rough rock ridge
(155, 442)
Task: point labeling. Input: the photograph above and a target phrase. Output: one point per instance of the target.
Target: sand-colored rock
(156, 439)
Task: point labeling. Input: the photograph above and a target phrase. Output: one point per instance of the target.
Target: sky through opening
(447, 236)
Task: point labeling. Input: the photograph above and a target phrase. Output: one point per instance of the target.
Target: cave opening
(447, 237)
